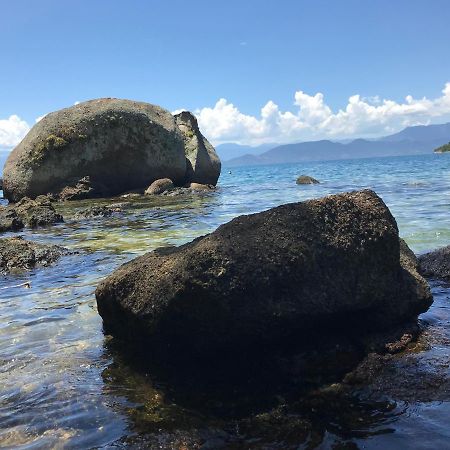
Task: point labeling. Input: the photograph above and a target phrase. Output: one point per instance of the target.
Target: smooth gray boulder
(298, 272)
(203, 163)
(97, 148)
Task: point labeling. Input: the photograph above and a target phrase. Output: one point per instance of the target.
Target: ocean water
(64, 385)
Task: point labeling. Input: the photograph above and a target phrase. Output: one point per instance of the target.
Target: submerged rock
(436, 264)
(203, 163)
(305, 179)
(160, 186)
(106, 147)
(31, 213)
(99, 211)
(19, 254)
(290, 274)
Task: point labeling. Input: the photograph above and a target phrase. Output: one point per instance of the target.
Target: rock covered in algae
(106, 147)
(290, 273)
(17, 254)
(27, 212)
(436, 264)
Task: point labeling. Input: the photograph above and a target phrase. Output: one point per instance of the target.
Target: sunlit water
(61, 384)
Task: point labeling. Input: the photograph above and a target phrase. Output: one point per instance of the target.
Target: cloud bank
(311, 118)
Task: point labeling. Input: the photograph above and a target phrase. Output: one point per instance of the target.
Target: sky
(253, 72)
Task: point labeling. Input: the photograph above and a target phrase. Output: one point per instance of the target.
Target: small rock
(436, 264)
(131, 195)
(97, 211)
(306, 179)
(9, 220)
(201, 187)
(19, 254)
(32, 213)
(160, 186)
(80, 190)
(398, 346)
(37, 213)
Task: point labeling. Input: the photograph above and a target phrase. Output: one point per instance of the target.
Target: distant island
(411, 141)
(443, 148)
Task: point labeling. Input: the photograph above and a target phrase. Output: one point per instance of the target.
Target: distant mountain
(421, 133)
(231, 151)
(411, 141)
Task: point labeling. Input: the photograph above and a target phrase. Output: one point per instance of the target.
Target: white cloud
(311, 119)
(314, 119)
(12, 131)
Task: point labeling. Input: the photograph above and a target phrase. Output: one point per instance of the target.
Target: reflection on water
(62, 383)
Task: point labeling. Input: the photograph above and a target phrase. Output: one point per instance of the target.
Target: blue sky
(182, 54)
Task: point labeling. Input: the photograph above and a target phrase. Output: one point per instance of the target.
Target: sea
(63, 385)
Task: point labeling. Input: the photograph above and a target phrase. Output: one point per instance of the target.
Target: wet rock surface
(303, 271)
(17, 254)
(100, 211)
(436, 264)
(30, 213)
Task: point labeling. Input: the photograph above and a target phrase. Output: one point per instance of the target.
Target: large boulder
(203, 164)
(103, 147)
(284, 275)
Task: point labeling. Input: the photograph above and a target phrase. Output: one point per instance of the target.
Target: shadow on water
(253, 411)
(267, 400)
(240, 406)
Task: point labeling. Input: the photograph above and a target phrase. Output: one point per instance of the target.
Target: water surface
(63, 384)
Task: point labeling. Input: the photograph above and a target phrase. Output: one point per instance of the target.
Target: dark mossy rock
(39, 212)
(106, 147)
(306, 179)
(436, 264)
(99, 211)
(285, 275)
(17, 254)
(9, 220)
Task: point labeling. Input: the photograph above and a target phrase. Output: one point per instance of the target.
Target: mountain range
(410, 141)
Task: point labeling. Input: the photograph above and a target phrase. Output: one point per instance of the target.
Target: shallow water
(63, 384)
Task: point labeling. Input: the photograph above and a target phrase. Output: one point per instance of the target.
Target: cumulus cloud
(312, 118)
(12, 131)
